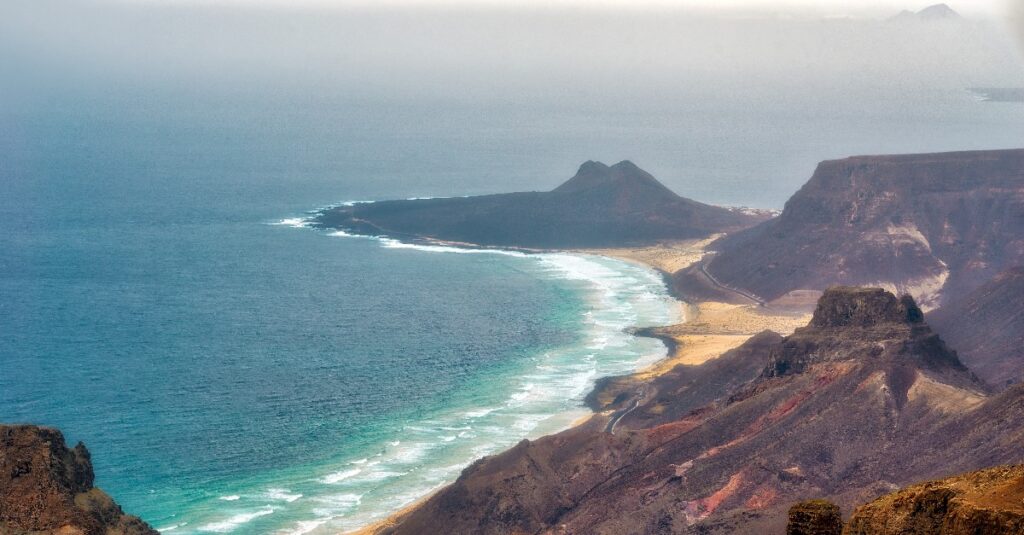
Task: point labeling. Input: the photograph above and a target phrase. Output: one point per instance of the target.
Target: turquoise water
(232, 371)
(235, 372)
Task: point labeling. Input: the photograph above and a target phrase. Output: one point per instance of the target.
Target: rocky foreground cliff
(45, 487)
(989, 502)
(864, 400)
(936, 226)
(601, 206)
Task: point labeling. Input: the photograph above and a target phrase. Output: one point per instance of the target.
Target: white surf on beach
(543, 397)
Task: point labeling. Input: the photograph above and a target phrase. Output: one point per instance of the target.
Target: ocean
(234, 371)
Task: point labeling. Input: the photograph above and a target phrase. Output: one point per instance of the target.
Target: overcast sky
(832, 6)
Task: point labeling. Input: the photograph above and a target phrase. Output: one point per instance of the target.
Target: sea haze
(234, 371)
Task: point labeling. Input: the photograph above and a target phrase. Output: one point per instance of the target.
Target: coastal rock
(935, 226)
(988, 501)
(815, 517)
(986, 327)
(869, 398)
(47, 488)
(600, 206)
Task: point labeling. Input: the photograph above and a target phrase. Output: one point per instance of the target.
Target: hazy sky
(834, 6)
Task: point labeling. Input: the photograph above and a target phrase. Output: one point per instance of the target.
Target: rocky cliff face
(862, 400)
(989, 501)
(986, 328)
(934, 225)
(600, 206)
(47, 488)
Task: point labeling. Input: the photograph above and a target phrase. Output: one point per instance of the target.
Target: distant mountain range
(600, 206)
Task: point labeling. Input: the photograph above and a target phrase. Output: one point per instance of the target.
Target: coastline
(707, 330)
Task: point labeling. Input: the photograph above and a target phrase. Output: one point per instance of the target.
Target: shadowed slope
(986, 327)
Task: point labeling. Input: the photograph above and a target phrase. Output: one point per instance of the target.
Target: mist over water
(151, 150)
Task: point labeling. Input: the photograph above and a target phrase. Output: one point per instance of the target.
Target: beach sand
(708, 330)
(667, 257)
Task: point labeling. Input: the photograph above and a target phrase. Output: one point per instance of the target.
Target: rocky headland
(601, 206)
(46, 487)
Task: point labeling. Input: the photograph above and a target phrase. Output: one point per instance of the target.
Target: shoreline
(706, 330)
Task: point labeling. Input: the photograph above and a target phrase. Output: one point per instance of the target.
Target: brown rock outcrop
(47, 488)
(988, 501)
(815, 517)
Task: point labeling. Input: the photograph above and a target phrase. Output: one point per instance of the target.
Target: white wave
(389, 243)
(479, 413)
(297, 222)
(340, 476)
(230, 524)
(336, 504)
(231, 498)
(282, 495)
(305, 526)
(359, 461)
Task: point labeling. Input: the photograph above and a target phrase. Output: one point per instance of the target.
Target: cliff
(47, 488)
(864, 399)
(986, 327)
(933, 225)
(988, 501)
(600, 206)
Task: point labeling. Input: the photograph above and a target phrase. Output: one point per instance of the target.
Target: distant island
(937, 12)
(999, 94)
(601, 206)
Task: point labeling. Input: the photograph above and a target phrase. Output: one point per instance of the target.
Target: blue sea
(234, 371)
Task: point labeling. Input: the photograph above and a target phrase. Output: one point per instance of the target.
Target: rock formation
(988, 501)
(815, 517)
(864, 399)
(600, 206)
(933, 225)
(47, 488)
(986, 328)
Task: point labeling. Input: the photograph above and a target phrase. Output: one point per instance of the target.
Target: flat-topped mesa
(851, 324)
(47, 487)
(935, 226)
(846, 306)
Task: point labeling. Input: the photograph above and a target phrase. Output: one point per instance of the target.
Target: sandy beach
(708, 330)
